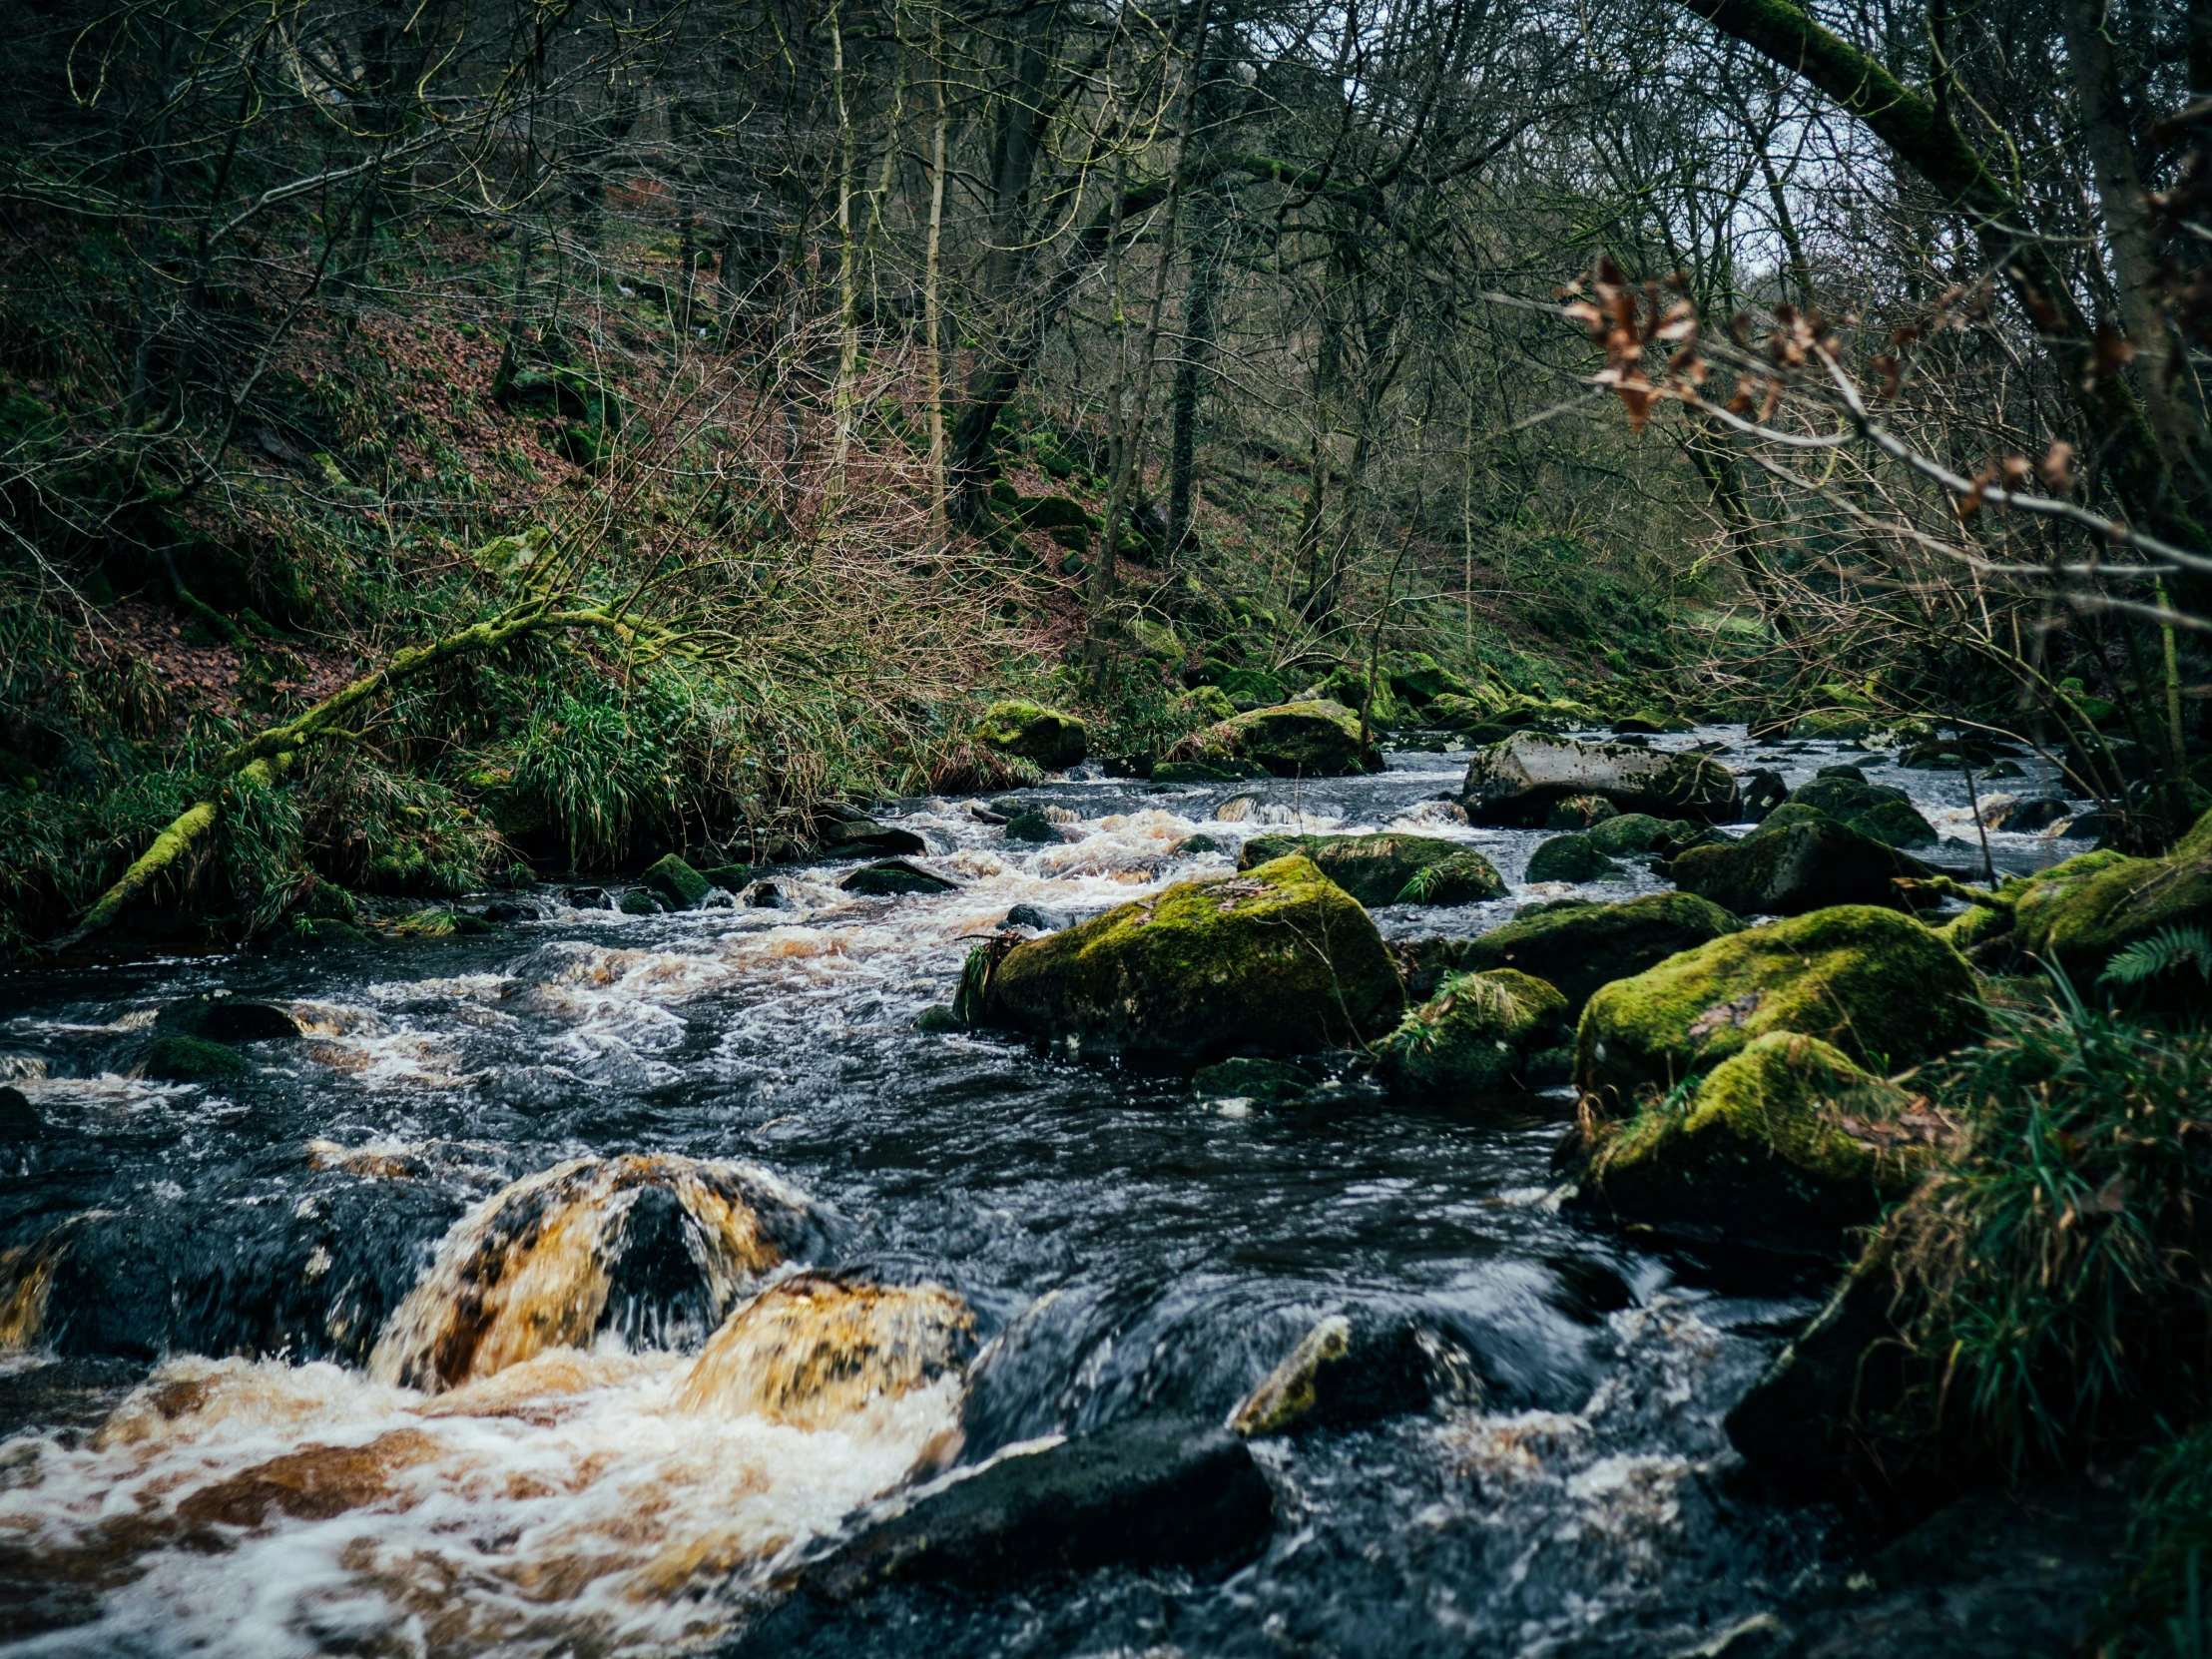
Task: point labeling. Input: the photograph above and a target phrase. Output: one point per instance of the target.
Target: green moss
(676, 883)
(1578, 813)
(939, 1018)
(1570, 858)
(1475, 1032)
(2197, 844)
(2078, 917)
(1579, 946)
(1801, 868)
(1627, 833)
(1271, 1082)
(1034, 732)
(181, 1059)
(1977, 925)
(1290, 739)
(1201, 771)
(1377, 869)
(1789, 813)
(1278, 959)
(1210, 704)
(1874, 983)
(1420, 678)
(638, 901)
(1785, 1143)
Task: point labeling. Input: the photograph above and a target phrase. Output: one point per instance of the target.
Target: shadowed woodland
(447, 445)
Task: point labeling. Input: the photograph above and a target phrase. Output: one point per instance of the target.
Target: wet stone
(890, 877)
(590, 898)
(181, 1059)
(223, 1019)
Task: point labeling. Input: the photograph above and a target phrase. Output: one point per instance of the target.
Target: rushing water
(394, 1346)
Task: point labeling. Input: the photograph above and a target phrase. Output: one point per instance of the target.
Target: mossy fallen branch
(264, 758)
(1949, 889)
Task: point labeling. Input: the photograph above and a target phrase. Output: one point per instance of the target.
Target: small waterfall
(812, 1350)
(656, 1246)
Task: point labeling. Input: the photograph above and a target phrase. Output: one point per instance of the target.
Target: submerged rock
(1580, 812)
(1033, 827)
(1056, 741)
(1786, 1144)
(1789, 871)
(19, 1119)
(1278, 959)
(1312, 739)
(1570, 858)
(181, 1059)
(1154, 1492)
(1475, 1033)
(1579, 947)
(1516, 781)
(1338, 1375)
(1246, 1077)
(674, 883)
(1037, 917)
(864, 837)
(225, 1020)
(889, 877)
(1877, 984)
(1382, 869)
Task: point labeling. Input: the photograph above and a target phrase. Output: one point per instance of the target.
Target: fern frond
(2162, 952)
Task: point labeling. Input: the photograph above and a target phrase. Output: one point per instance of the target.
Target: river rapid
(392, 1346)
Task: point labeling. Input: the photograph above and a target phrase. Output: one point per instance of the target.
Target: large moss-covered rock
(1579, 947)
(1317, 739)
(1785, 1143)
(1874, 810)
(1794, 869)
(1570, 858)
(1877, 984)
(1379, 869)
(1035, 733)
(1516, 781)
(1627, 835)
(674, 883)
(2080, 913)
(1475, 1033)
(1419, 679)
(1278, 959)
(2197, 844)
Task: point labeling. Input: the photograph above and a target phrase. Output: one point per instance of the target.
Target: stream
(220, 1305)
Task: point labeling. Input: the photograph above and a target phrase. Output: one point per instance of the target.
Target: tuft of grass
(2059, 1259)
(2159, 1604)
(601, 772)
(366, 827)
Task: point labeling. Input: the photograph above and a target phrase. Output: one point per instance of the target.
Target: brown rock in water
(1517, 782)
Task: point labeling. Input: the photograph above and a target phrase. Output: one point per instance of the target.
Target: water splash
(659, 1242)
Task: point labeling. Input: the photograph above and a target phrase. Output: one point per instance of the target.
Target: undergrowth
(2058, 1260)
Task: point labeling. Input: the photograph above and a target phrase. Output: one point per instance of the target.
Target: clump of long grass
(2058, 1260)
(601, 771)
(2159, 1604)
(363, 825)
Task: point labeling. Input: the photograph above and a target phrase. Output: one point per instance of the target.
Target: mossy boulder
(1475, 1033)
(1378, 870)
(2078, 913)
(1627, 835)
(1347, 685)
(889, 877)
(674, 883)
(1467, 877)
(1033, 733)
(176, 1058)
(1795, 869)
(1273, 960)
(640, 902)
(1209, 704)
(1570, 858)
(1831, 723)
(2197, 841)
(1317, 739)
(1579, 946)
(1874, 810)
(1517, 782)
(1785, 1143)
(516, 813)
(1874, 983)
(1419, 679)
